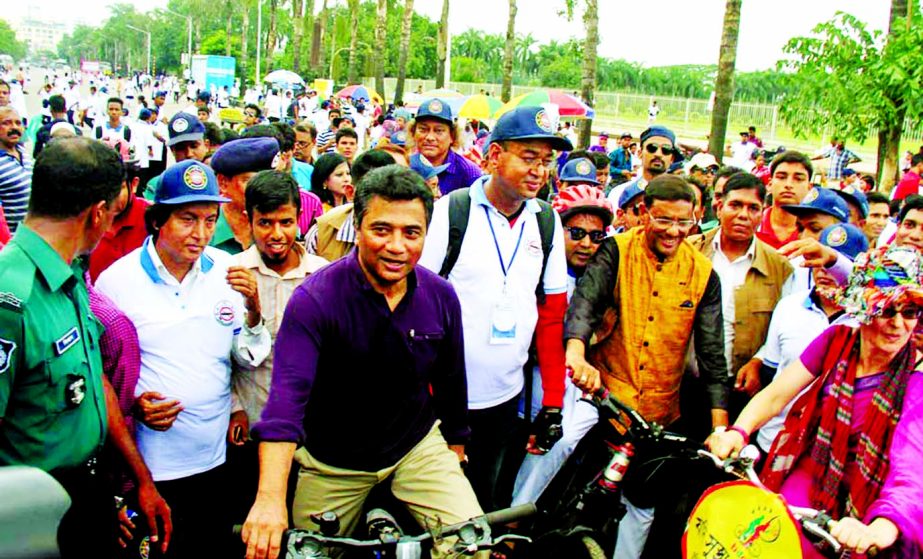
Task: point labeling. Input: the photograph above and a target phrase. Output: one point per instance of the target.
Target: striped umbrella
(568, 105)
(480, 107)
(360, 92)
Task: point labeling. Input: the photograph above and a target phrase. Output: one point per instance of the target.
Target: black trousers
(493, 436)
(201, 519)
(88, 528)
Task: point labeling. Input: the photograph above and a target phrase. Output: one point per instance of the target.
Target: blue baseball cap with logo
(845, 238)
(528, 123)
(822, 200)
(184, 127)
(629, 194)
(856, 197)
(186, 182)
(436, 109)
(579, 170)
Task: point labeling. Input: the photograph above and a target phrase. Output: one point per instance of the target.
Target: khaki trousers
(428, 480)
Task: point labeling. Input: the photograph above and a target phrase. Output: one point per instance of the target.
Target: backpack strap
(545, 220)
(459, 209)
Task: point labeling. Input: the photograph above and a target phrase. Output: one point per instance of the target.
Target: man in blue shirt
(620, 160)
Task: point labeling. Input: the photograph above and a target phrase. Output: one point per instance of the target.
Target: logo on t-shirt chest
(224, 312)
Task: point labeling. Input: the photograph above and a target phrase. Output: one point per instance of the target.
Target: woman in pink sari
(853, 442)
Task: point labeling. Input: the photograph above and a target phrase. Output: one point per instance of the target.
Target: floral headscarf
(879, 278)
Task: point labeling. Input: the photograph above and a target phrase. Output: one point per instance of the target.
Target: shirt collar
(46, 259)
(347, 231)
(362, 282)
(751, 250)
(478, 196)
(154, 268)
(252, 259)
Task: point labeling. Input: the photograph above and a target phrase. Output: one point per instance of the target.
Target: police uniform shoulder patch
(10, 301)
(7, 348)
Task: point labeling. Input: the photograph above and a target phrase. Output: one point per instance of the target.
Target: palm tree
(507, 88)
(381, 29)
(228, 13)
(297, 35)
(317, 37)
(272, 32)
(405, 46)
(442, 45)
(588, 83)
(724, 82)
(352, 72)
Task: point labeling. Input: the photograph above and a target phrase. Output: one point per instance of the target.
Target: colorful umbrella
(568, 105)
(360, 92)
(480, 107)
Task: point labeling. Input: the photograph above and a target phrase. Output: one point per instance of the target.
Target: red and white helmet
(583, 198)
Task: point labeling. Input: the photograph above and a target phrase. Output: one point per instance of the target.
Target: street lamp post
(148, 33)
(188, 40)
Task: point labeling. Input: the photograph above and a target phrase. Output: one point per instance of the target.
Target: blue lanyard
(509, 266)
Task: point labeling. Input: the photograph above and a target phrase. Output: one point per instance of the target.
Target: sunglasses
(578, 233)
(907, 313)
(664, 149)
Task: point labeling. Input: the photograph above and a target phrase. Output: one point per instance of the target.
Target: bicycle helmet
(583, 198)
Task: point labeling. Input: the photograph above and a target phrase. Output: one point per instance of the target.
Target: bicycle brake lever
(512, 538)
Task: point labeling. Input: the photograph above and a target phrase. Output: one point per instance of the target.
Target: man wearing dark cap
(187, 141)
(658, 153)
(234, 163)
(507, 295)
(578, 171)
(631, 207)
(58, 110)
(201, 102)
(436, 137)
(195, 312)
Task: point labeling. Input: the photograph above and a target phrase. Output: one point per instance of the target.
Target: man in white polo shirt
(194, 312)
(510, 274)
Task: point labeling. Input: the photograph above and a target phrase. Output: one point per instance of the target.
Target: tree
(848, 81)
(507, 89)
(588, 83)
(317, 38)
(352, 74)
(724, 83)
(8, 43)
(402, 55)
(297, 34)
(381, 29)
(442, 45)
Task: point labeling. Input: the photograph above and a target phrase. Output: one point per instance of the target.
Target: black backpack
(460, 208)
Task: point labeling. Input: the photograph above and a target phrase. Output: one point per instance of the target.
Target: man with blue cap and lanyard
(194, 312)
(436, 137)
(508, 299)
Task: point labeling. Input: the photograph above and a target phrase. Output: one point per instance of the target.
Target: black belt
(74, 477)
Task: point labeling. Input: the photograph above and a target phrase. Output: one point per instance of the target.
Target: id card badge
(503, 323)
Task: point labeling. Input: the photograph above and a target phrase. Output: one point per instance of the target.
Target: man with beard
(279, 265)
(658, 152)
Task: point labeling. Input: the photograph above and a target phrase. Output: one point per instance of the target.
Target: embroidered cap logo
(194, 177)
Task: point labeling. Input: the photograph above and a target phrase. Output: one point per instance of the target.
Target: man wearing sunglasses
(658, 152)
(586, 214)
(644, 294)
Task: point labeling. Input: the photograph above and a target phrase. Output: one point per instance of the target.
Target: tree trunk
(228, 13)
(591, 20)
(381, 29)
(898, 11)
(244, 32)
(297, 34)
(352, 68)
(724, 83)
(889, 135)
(271, 33)
(317, 37)
(442, 45)
(402, 57)
(508, 50)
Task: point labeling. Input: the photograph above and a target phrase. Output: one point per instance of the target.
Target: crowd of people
(262, 324)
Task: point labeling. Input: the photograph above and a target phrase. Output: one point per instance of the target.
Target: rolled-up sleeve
(708, 331)
(293, 372)
(251, 346)
(594, 293)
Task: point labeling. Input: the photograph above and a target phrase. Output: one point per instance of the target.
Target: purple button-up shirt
(351, 378)
(460, 173)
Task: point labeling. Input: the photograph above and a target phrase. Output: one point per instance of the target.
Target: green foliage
(848, 79)
(8, 43)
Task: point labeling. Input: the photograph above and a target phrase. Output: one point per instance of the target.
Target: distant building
(40, 35)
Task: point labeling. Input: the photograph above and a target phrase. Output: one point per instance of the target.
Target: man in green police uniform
(56, 407)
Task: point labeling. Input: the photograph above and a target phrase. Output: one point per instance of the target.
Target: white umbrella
(284, 77)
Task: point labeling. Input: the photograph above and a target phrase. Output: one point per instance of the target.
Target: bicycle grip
(505, 516)
(237, 529)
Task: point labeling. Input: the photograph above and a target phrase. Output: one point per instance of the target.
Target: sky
(664, 32)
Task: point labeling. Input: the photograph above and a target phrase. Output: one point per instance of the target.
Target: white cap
(702, 161)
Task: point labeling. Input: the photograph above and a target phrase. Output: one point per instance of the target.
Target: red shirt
(910, 184)
(126, 234)
(768, 236)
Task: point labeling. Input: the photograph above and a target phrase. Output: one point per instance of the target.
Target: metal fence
(687, 116)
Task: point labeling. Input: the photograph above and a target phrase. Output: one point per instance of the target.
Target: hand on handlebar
(860, 538)
(546, 430)
(725, 444)
(265, 525)
(584, 376)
